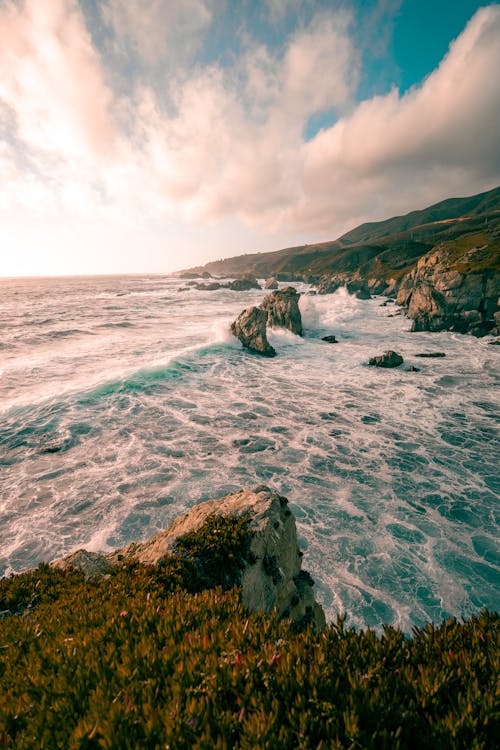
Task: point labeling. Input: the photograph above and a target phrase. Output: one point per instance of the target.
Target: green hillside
(385, 249)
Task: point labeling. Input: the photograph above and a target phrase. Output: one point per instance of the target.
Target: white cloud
(232, 143)
(439, 139)
(51, 80)
(160, 28)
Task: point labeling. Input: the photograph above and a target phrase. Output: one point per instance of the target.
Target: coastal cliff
(456, 287)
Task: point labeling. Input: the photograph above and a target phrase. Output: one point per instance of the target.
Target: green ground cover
(159, 658)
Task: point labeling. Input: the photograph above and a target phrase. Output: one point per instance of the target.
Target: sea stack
(250, 328)
(282, 309)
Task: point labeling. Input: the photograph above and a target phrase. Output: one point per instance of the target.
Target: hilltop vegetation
(384, 250)
(166, 656)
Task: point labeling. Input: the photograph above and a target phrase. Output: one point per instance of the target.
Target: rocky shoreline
(441, 264)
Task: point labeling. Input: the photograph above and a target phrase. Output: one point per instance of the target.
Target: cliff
(456, 286)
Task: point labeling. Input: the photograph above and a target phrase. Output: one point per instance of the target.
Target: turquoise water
(124, 402)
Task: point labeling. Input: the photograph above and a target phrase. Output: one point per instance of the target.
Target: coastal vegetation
(166, 656)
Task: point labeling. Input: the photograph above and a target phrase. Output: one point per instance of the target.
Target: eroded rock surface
(250, 328)
(455, 289)
(282, 309)
(271, 580)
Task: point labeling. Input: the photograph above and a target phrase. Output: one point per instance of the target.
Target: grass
(167, 657)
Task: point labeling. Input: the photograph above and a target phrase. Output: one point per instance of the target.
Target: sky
(146, 137)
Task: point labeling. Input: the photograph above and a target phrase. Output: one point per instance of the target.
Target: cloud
(51, 81)
(159, 29)
(219, 142)
(440, 138)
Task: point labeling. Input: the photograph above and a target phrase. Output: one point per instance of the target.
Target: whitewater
(124, 402)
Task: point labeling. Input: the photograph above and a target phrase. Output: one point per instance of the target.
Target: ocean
(124, 402)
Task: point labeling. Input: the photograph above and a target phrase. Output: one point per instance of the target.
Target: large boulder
(271, 576)
(250, 328)
(282, 309)
(455, 287)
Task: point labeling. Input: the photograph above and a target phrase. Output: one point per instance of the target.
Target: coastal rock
(362, 294)
(387, 359)
(329, 339)
(282, 309)
(250, 328)
(431, 355)
(243, 284)
(271, 283)
(455, 287)
(92, 564)
(271, 580)
(211, 287)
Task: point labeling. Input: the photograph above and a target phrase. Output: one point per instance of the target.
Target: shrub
(142, 659)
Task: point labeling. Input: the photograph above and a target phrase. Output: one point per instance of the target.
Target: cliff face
(456, 287)
(273, 579)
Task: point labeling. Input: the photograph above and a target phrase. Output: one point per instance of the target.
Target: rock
(282, 309)
(271, 283)
(435, 355)
(271, 578)
(376, 286)
(250, 328)
(92, 564)
(387, 359)
(212, 287)
(206, 275)
(362, 294)
(412, 368)
(454, 287)
(329, 339)
(243, 285)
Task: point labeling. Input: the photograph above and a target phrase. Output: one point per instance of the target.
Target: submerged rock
(271, 576)
(431, 355)
(250, 328)
(387, 359)
(282, 309)
(211, 287)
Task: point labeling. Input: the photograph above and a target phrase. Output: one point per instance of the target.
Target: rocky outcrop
(238, 285)
(282, 310)
(455, 287)
(360, 288)
(243, 285)
(250, 328)
(271, 283)
(271, 577)
(387, 359)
